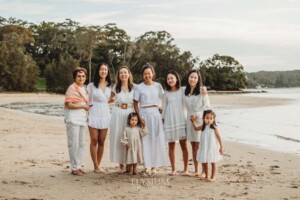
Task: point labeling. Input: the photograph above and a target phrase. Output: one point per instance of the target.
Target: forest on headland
(42, 57)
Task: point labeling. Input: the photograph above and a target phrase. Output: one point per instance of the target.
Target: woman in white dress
(147, 97)
(123, 94)
(174, 118)
(195, 103)
(99, 113)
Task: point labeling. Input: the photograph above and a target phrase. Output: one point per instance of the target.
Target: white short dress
(118, 124)
(174, 115)
(154, 144)
(209, 147)
(195, 105)
(99, 112)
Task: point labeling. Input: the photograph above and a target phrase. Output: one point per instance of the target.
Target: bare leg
(205, 168)
(121, 170)
(134, 169)
(185, 156)
(101, 141)
(172, 157)
(93, 147)
(195, 147)
(213, 171)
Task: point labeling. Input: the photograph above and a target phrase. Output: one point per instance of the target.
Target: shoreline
(35, 165)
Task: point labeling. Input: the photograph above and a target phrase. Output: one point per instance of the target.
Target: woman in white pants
(76, 107)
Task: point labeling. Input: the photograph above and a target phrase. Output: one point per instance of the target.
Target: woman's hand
(86, 107)
(221, 150)
(127, 146)
(143, 124)
(193, 117)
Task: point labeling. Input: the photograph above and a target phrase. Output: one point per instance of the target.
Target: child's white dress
(209, 147)
(133, 137)
(174, 115)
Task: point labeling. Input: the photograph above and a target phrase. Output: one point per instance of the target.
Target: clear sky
(260, 34)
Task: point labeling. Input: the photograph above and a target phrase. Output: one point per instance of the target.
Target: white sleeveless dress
(118, 124)
(209, 147)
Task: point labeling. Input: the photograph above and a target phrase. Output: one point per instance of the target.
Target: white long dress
(99, 113)
(174, 115)
(154, 144)
(195, 105)
(118, 124)
(209, 147)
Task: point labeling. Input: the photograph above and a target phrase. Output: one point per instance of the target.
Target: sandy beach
(35, 163)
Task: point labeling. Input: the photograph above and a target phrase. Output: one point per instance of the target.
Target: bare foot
(98, 170)
(173, 173)
(196, 174)
(185, 173)
(202, 175)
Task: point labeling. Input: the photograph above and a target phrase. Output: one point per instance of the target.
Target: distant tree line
(52, 50)
(274, 79)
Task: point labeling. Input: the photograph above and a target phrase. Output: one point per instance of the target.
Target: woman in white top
(99, 113)
(195, 103)
(147, 97)
(76, 107)
(123, 94)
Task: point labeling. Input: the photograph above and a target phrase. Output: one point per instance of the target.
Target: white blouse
(148, 95)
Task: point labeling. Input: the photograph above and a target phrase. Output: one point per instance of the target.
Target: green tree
(223, 73)
(18, 71)
(59, 73)
(158, 49)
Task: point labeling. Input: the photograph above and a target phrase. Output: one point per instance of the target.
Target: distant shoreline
(235, 91)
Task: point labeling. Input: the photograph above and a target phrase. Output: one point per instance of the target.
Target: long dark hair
(214, 124)
(97, 77)
(133, 114)
(199, 83)
(118, 81)
(178, 84)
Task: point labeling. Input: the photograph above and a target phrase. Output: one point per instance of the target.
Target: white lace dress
(174, 115)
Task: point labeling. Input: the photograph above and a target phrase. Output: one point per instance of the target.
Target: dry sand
(35, 164)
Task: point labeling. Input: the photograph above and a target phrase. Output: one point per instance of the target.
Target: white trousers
(76, 141)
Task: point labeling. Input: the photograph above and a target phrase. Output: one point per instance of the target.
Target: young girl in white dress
(132, 139)
(147, 100)
(123, 95)
(211, 148)
(174, 117)
(99, 113)
(196, 102)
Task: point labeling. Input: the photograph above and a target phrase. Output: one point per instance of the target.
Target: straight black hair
(178, 84)
(199, 83)
(207, 112)
(97, 77)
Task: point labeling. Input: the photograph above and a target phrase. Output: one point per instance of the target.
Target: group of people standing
(143, 119)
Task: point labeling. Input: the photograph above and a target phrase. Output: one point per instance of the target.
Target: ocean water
(272, 127)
